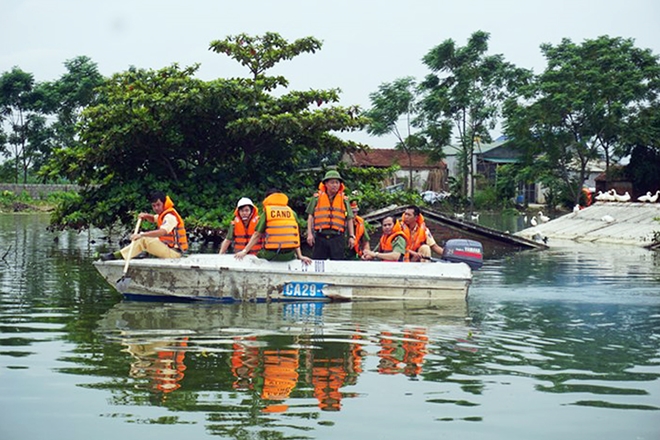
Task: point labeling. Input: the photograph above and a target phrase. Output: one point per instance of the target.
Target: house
(427, 175)
(487, 158)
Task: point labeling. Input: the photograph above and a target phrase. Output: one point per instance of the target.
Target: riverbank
(24, 202)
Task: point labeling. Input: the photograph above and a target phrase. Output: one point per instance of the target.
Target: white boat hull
(224, 278)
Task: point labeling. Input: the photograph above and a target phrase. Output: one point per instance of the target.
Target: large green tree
(68, 96)
(395, 110)
(205, 142)
(583, 107)
(466, 89)
(21, 112)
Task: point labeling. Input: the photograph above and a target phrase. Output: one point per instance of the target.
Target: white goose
(645, 198)
(654, 197)
(474, 216)
(601, 197)
(543, 218)
(533, 221)
(609, 196)
(622, 198)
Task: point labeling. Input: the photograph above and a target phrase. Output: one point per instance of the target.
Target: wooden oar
(123, 282)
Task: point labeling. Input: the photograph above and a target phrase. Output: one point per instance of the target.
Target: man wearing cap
(246, 217)
(329, 216)
(361, 234)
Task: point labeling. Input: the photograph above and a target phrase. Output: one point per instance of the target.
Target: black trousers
(328, 246)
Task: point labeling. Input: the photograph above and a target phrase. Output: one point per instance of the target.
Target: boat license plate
(303, 290)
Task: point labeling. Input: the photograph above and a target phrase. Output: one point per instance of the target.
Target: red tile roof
(382, 158)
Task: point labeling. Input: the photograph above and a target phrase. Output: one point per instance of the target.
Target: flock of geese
(542, 218)
(612, 196)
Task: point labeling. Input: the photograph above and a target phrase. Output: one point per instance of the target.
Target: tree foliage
(466, 90)
(399, 100)
(583, 107)
(43, 116)
(20, 112)
(206, 143)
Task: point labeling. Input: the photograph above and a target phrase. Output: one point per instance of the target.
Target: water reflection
(553, 344)
(274, 355)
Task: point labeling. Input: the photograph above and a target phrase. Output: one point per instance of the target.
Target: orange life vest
(330, 215)
(177, 238)
(359, 232)
(385, 244)
(242, 234)
(417, 238)
(281, 226)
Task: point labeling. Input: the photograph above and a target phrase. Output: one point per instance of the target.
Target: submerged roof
(383, 158)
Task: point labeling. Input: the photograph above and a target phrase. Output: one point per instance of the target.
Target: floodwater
(563, 343)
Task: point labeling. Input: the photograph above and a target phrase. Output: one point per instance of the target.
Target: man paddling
(168, 240)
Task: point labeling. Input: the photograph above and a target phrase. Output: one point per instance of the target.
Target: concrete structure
(632, 224)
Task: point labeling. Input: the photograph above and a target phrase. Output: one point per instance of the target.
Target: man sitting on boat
(246, 217)
(361, 234)
(328, 217)
(280, 231)
(392, 245)
(420, 241)
(168, 240)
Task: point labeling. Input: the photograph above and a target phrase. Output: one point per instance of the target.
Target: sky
(365, 43)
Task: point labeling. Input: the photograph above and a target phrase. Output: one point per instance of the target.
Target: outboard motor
(466, 251)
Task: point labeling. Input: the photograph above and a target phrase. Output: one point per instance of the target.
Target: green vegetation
(11, 202)
(208, 143)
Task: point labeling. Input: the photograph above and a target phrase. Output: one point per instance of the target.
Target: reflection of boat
(202, 320)
(276, 352)
(222, 277)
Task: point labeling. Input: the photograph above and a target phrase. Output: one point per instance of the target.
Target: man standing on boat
(418, 237)
(280, 231)
(392, 245)
(168, 240)
(361, 234)
(328, 217)
(246, 217)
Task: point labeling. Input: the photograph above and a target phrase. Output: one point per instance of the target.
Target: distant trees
(465, 90)
(462, 95)
(391, 103)
(592, 101)
(38, 117)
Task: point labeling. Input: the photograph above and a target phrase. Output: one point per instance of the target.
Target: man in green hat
(329, 216)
